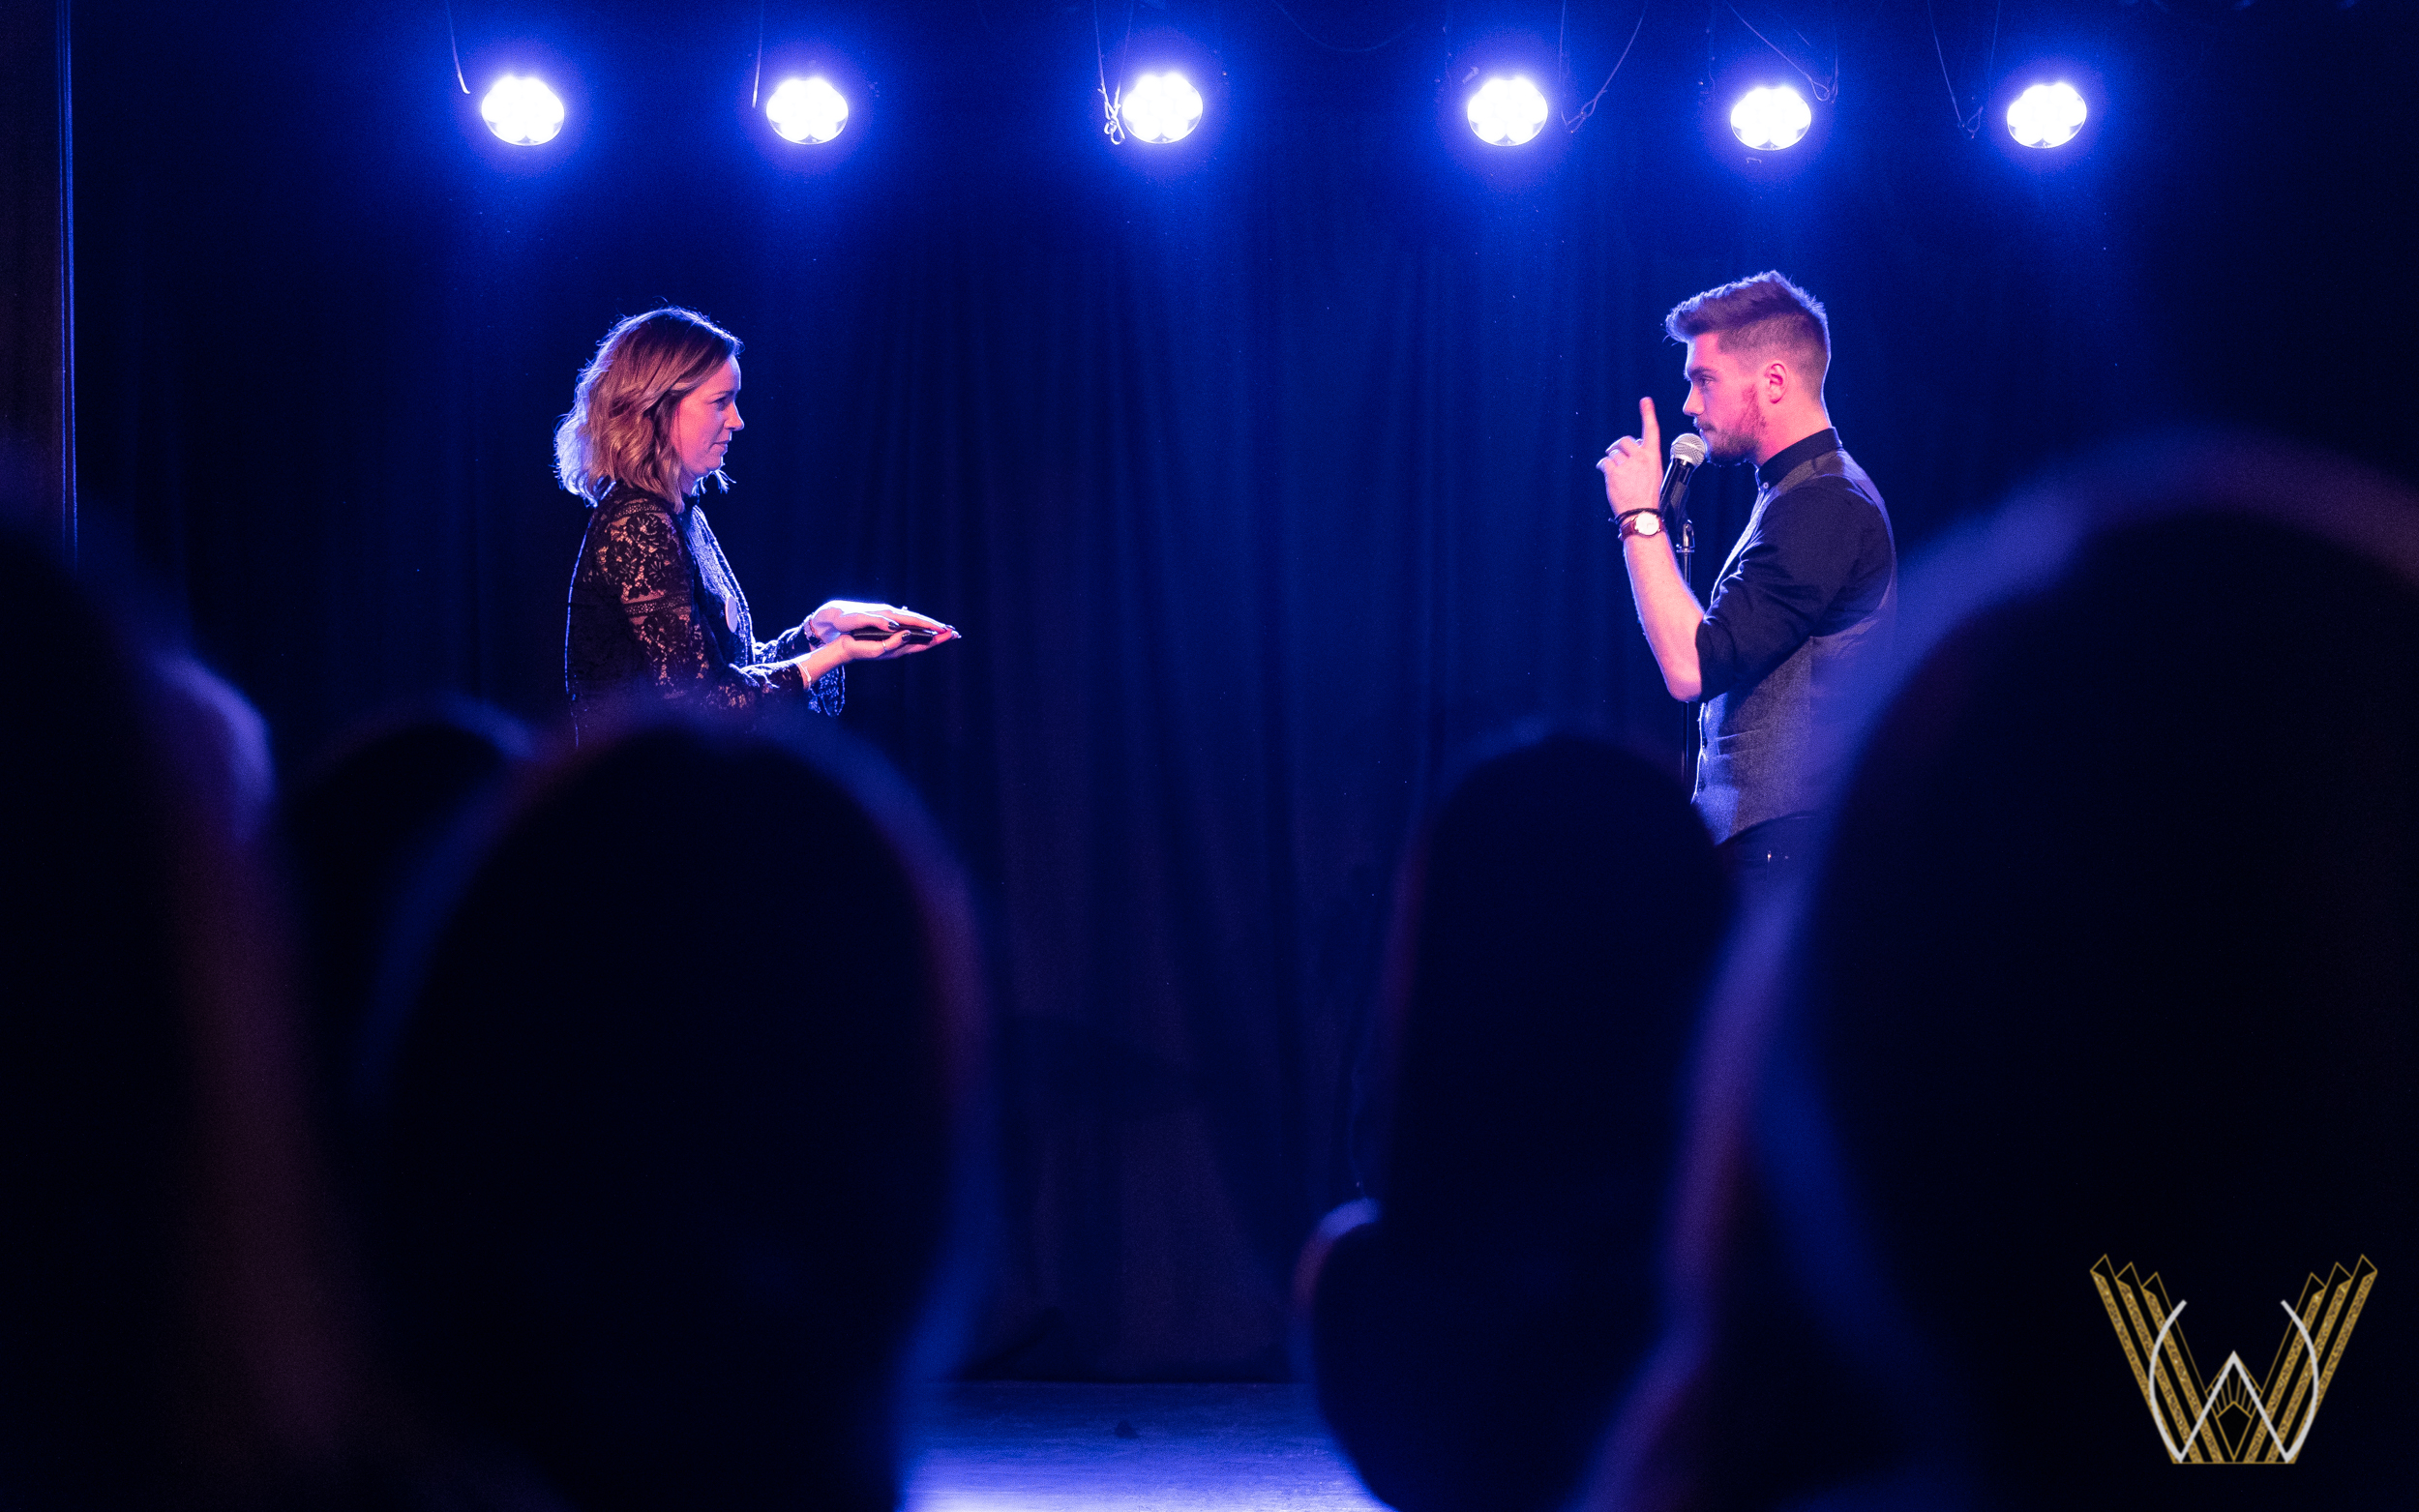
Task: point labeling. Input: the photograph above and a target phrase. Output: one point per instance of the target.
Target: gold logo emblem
(2232, 1419)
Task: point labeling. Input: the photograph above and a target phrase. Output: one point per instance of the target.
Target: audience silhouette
(171, 1321)
(671, 1125)
(358, 829)
(1468, 1332)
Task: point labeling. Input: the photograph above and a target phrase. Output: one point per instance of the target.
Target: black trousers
(1764, 858)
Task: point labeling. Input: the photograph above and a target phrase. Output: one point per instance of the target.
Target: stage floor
(1024, 1447)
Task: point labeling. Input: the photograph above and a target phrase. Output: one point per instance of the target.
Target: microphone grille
(1689, 448)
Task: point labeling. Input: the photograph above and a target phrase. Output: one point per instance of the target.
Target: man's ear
(1775, 381)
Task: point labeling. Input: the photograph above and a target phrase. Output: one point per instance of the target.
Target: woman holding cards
(655, 608)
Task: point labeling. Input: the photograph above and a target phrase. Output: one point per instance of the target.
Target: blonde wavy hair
(619, 429)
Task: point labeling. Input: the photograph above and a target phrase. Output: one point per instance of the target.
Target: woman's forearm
(831, 653)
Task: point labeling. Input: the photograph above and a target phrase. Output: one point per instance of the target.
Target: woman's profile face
(702, 427)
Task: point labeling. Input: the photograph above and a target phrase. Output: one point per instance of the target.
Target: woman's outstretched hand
(876, 632)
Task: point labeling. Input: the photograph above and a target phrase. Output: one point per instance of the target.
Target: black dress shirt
(1817, 561)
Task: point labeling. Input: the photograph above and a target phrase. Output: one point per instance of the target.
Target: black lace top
(655, 606)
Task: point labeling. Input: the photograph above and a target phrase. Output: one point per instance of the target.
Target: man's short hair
(1759, 317)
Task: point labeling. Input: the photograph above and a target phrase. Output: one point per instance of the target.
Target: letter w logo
(2232, 1419)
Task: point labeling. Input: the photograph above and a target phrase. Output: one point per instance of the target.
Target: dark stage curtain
(1262, 489)
(37, 472)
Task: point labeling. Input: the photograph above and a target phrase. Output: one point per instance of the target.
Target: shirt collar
(1768, 474)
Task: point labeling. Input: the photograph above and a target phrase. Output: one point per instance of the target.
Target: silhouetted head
(672, 1122)
(168, 1332)
(2111, 955)
(358, 828)
(95, 1079)
(1564, 912)
(1557, 925)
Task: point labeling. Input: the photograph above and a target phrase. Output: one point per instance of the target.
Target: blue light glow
(2047, 115)
(523, 112)
(1507, 112)
(807, 111)
(1771, 117)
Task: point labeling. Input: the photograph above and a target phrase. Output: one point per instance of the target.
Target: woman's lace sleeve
(643, 559)
(789, 644)
(824, 694)
(827, 692)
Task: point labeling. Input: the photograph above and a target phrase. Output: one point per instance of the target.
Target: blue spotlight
(2047, 115)
(1161, 108)
(807, 111)
(523, 112)
(1507, 112)
(1771, 117)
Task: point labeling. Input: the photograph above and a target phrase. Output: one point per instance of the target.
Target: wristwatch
(1640, 522)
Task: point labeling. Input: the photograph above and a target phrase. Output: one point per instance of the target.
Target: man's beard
(1727, 446)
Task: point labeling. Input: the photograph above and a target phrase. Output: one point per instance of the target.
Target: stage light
(1771, 117)
(1506, 111)
(1161, 108)
(807, 111)
(523, 112)
(2047, 115)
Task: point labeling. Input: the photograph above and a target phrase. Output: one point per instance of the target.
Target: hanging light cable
(1572, 122)
(1824, 93)
(756, 85)
(1115, 128)
(455, 41)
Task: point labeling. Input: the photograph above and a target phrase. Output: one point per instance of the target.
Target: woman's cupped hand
(876, 632)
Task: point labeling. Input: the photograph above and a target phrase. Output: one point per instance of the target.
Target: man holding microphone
(1806, 598)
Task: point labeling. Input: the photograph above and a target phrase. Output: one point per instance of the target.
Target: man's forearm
(1668, 610)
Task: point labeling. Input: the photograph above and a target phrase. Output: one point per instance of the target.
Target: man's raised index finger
(1647, 428)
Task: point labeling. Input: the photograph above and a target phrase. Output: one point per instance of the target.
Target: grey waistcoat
(1771, 747)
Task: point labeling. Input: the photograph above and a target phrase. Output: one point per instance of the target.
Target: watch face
(1646, 525)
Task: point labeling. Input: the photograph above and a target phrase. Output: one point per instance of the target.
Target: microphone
(1687, 455)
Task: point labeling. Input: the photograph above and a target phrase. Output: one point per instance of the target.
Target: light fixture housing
(1508, 110)
(1161, 108)
(1771, 117)
(522, 110)
(2048, 115)
(807, 111)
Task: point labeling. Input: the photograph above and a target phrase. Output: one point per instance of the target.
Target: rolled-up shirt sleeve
(1807, 553)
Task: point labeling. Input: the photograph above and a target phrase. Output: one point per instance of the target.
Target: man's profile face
(1721, 396)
